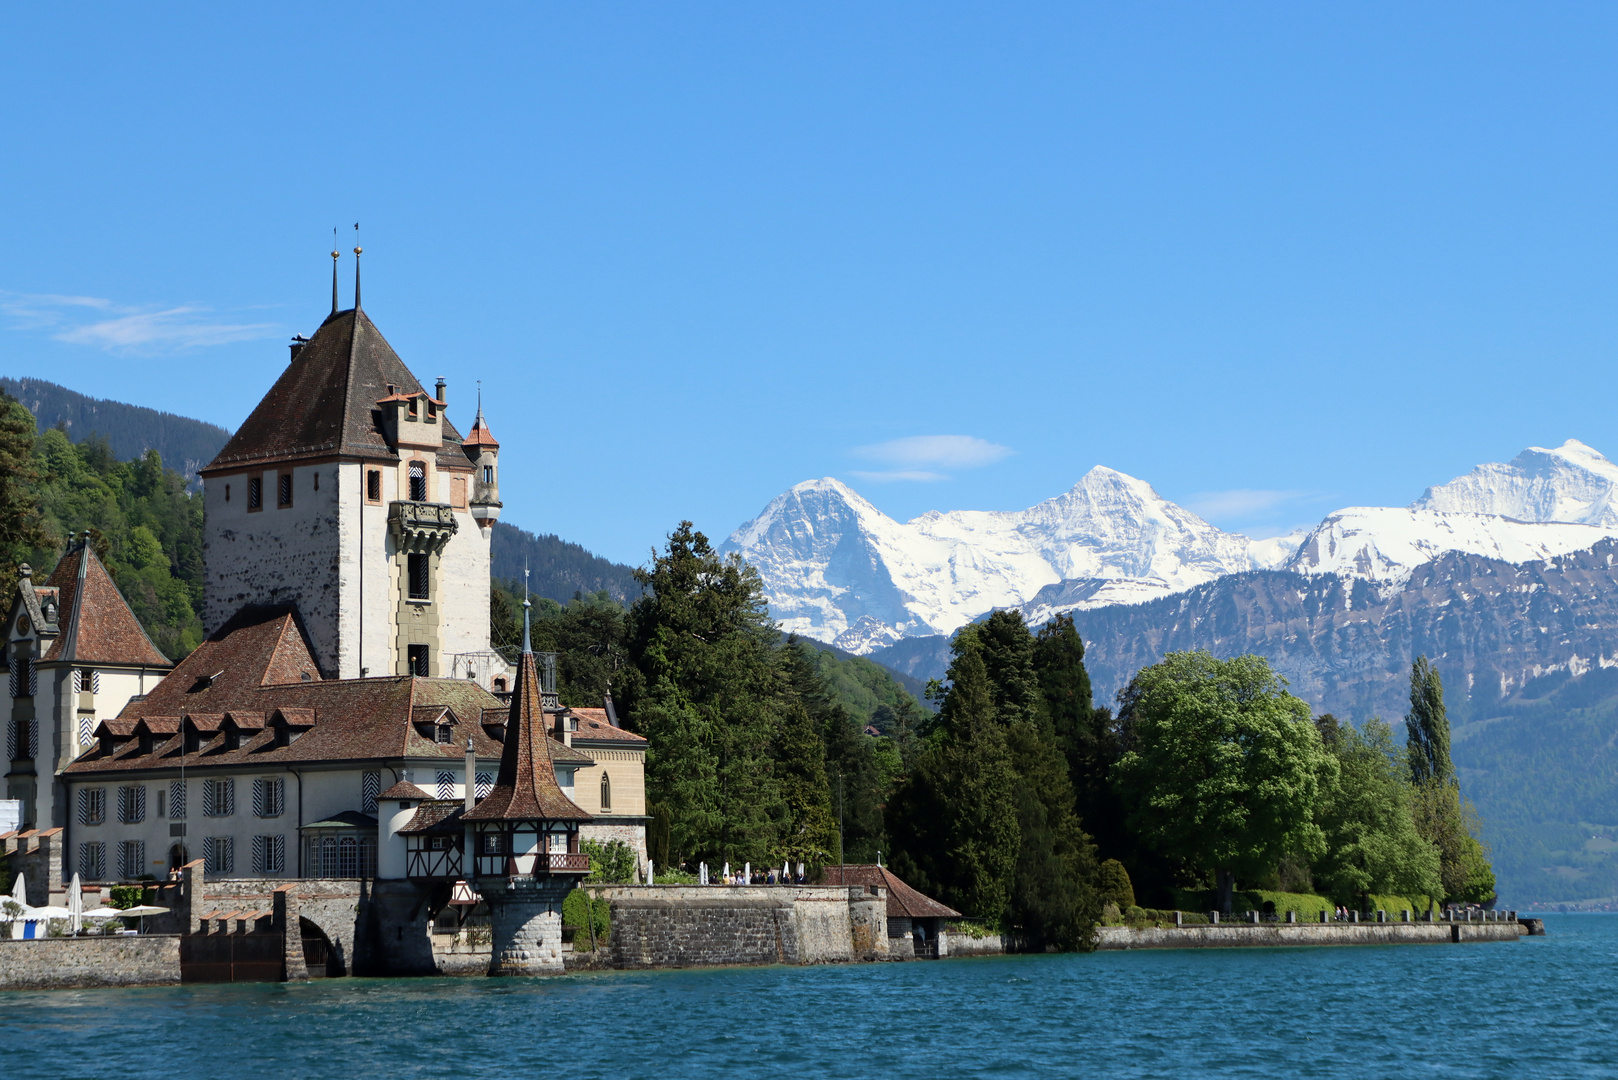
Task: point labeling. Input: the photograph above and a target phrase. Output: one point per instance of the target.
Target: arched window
(500, 685)
(606, 791)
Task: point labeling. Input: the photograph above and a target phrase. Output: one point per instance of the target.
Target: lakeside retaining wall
(74, 963)
(713, 926)
(1246, 935)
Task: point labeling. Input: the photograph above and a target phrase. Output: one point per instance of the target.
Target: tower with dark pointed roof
(75, 654)
(348, 494)
(525, 837)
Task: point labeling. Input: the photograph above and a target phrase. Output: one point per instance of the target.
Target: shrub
(612, 863)
(1110, 915)
(1395, 904)
(1115, 885)
(579, 911)
(124, 896)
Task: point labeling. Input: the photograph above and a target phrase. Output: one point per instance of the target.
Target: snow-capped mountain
(1541, 504)
(836, 568)
(1571, 483)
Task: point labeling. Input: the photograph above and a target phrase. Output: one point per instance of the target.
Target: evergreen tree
(1442, 816)
(1427, 725)
(1085, 734)
(20, 527)
(954, 819)
(709, 701)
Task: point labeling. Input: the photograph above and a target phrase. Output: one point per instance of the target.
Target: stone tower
(349, 494)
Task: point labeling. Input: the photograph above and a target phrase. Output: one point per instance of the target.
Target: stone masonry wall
(60, 963)
(689, 926)
(1243, 936)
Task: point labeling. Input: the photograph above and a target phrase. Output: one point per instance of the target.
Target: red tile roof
(526, 788)
(323, 403)
(404, 789)
(593, 728)
(480, 435)
(96, 624)
(248, 668)
(903, 901)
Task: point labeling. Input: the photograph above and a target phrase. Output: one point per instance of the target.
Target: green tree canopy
(1223, 767)
(1372, 845)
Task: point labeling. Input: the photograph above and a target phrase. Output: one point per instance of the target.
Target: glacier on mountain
(835, 568)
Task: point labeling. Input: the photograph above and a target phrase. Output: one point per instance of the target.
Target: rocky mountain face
(1495, 629)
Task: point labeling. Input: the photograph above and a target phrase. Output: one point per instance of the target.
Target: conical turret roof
(526, 788)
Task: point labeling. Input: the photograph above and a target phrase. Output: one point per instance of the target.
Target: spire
(334, 274)
(527, 608)
(357, 251)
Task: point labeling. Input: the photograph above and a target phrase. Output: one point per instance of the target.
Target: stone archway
(319, 956)
(178, 857)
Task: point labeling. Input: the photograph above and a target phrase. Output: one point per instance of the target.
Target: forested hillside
(185, 445)
(143, 522)
(557, 569)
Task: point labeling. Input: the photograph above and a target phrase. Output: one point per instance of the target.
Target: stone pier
(525, 922)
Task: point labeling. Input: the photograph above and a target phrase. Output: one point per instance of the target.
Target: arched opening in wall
(319, 956)
(177, 858)
(606, 792)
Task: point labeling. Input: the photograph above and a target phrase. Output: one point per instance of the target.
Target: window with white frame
(219, 797)
(446, 784)
(269, 854)
(132, 804)
(269, 797)
(370, 788)
(92, 806)
(176, 800)
(219, 854)
(86, 681)
(93, 860)
(131, 858)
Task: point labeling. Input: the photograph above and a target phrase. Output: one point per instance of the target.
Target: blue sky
(1274, 259)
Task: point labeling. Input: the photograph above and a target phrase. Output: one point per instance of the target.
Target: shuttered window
(92, 806)
(219, 797)
(131, 858)
(93, 860)
(269, 797)
(219, 853)
(269, 854)
(132, 804)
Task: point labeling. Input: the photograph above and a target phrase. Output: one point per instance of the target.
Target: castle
(346, 719)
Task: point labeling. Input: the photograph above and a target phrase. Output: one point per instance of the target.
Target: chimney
(438, 389)
(298, 342)
(612, 714)
(471, 775)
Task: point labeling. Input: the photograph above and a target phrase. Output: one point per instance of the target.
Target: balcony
(532, 866)
(421, 527)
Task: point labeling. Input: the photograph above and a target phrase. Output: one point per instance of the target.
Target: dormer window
(445, 735)
(413, 412)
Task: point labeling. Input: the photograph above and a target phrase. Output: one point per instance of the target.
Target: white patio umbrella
(18, 892)
(75, 903)
(144, 910)
(102, 912)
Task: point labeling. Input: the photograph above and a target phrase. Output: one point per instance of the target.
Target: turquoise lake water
(1541, 1007)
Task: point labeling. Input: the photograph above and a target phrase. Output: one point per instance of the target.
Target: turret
(484, 452)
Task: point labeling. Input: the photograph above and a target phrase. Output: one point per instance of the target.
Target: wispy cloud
(1241, 502)
(901, 474)
(123, 328)
(921, 457)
